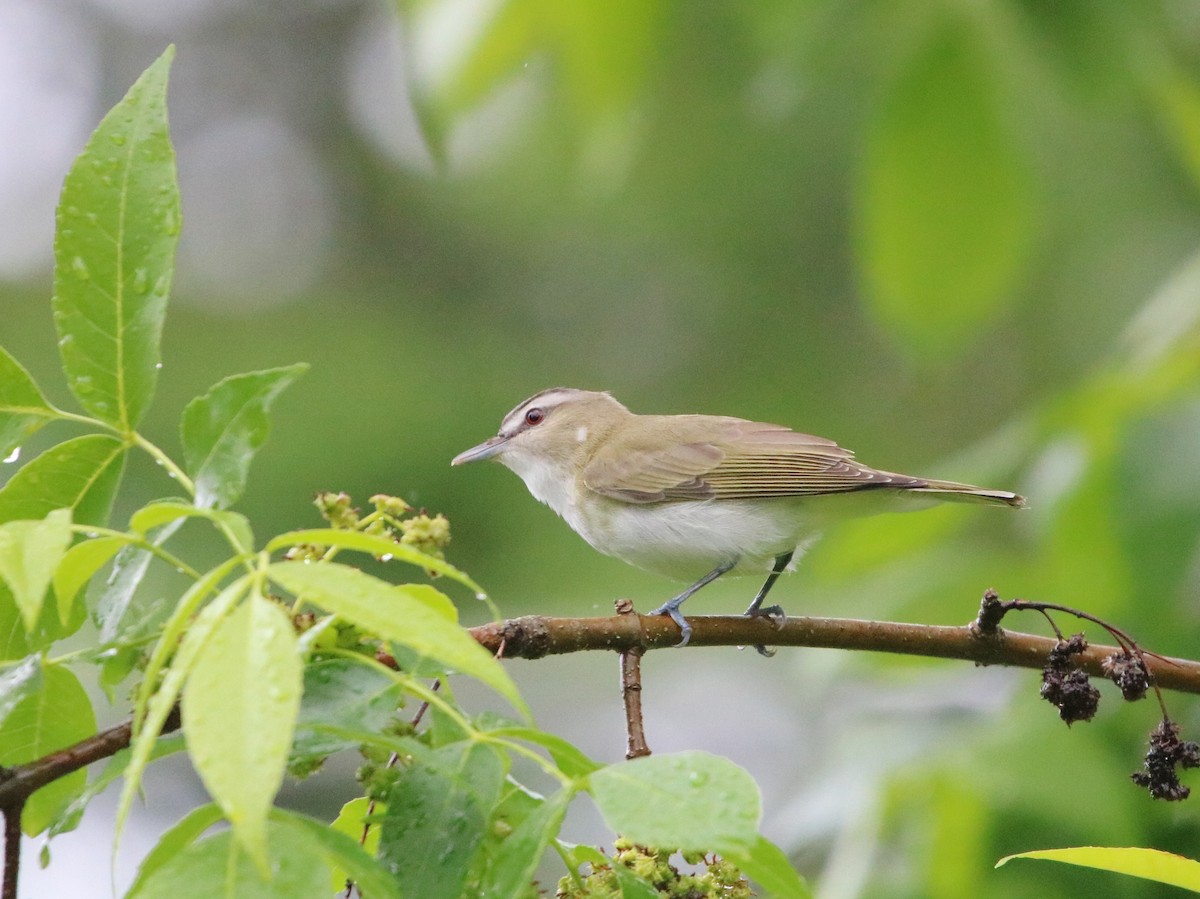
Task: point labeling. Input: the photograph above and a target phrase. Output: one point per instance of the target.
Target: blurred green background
(960, 238)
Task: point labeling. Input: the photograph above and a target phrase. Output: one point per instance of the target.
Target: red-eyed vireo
(694, 497)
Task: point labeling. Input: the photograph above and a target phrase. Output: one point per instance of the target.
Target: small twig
(391, 763)
(631, 693)
(993, 609)
(12, 849)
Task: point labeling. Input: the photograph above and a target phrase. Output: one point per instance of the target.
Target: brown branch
(12, 849)
(631, 693)
(19, 782)
(535, 636)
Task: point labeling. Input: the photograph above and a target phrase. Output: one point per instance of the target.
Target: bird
(695, 497)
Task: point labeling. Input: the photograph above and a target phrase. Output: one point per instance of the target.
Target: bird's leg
(671, 606)
(774, 612)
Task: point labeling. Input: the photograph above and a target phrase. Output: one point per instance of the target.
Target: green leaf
(239, 711)
(17, 682)
(351, 821)
(302, 853)
(163, 512)
(379, 547)
(341, 852)
(632, 886)
(768, 866)
(183, 834)
(217, 867)
(396, 613)
(1148, 864)
(223, 429)
(16, 642)
(151, 711)
(599, 55)
(79, 474)
(946, 200)
(571, 761)
(112, 605)
(342, 694)
(437, 816)
(114, 254)
(29, 553)
(53, 717)
(23, 409)
(78, 566)
(692, 801)
(524, 847)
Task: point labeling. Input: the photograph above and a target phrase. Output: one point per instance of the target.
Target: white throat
(550, 483)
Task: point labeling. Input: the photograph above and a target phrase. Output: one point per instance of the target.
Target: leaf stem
(174, 471)
(141, 543)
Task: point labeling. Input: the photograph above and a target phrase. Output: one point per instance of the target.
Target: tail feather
(965, 493)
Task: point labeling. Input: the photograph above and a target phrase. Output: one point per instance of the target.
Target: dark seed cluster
(1128, 672)
(1065, 686)
(1167, 753)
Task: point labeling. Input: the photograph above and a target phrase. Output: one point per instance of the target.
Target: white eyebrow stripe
(547, 400)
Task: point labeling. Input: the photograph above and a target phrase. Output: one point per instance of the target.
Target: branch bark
(12, 849)
(535, 636)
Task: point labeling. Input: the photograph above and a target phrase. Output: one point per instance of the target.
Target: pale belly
(685, 540)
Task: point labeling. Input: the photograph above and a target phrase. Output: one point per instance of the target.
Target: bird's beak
(485, 450)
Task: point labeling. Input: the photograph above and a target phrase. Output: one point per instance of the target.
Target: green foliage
(238, 737)
(23, 409)
(223, 429)
(942, 181)
(264, 683)
(53, 711)
(114, 254)
(637, 872)
(1147, 864)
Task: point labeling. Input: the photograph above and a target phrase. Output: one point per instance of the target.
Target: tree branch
(535, 636)
(631, 693)
(19, 782)
(12, 849)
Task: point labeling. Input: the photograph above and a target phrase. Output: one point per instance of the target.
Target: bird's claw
(777, 616)
(685, 629)
(775, 613)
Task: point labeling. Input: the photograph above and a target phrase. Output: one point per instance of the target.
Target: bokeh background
(962, 238)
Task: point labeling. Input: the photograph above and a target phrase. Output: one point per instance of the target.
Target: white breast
(686, 540)
(682, 540)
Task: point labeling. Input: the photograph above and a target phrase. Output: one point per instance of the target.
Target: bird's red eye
(533, 416)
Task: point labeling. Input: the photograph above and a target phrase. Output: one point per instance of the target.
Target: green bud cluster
(717, 879)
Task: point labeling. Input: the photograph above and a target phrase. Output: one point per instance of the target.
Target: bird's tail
(965, 493)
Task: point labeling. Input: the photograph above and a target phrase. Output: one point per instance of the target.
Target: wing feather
(726, 458)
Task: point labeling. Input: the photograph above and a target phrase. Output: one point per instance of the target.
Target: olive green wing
(708, 457)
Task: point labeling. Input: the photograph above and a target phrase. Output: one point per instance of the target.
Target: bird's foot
(776, 615)
(672, 609)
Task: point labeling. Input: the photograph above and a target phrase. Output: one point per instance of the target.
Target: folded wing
(728, 458)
